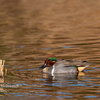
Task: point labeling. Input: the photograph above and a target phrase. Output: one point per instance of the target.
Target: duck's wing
(80, 65)
(72, 62)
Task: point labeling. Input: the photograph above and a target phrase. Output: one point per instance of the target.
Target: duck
(53, 65)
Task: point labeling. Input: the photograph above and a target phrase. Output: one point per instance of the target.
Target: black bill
(43, 66)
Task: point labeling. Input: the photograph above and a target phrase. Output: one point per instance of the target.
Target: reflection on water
(60, 76)
(61, 87)
(30, 30)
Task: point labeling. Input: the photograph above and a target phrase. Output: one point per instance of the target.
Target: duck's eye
(49, 60)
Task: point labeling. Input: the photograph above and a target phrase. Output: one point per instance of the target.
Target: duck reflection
(64, 76)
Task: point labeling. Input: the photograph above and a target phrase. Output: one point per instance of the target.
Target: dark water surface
(30, 30)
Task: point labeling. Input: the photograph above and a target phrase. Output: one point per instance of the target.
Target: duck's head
(49, 61)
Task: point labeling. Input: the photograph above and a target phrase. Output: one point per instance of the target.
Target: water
(30, 30)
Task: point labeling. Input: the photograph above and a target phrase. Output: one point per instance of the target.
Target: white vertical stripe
(53, 70)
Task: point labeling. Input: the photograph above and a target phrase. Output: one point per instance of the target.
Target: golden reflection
(81, 74)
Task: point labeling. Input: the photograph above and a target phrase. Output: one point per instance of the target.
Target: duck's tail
(81, 68)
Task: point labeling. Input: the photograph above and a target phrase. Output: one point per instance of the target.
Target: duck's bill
(43, 66)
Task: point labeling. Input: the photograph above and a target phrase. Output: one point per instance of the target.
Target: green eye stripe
(52, 59)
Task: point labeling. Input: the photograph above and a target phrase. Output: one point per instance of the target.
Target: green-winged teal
(54, 65)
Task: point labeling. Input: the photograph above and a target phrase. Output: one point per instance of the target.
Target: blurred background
(30, 30)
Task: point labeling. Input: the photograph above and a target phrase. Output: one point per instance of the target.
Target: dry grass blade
(1, 67)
